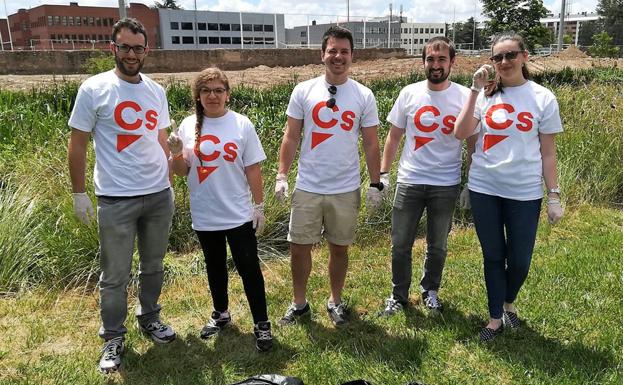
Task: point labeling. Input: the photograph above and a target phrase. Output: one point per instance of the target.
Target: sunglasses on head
(331, 102)
(510, 55)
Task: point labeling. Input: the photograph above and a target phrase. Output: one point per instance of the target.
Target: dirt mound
(571, 52)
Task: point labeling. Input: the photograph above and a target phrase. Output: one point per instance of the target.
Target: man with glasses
(429, 172)
(127, 114)
(327, 113)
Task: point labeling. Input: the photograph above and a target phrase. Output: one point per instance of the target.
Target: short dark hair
(130, 23)
(337, 32)
(439, 42)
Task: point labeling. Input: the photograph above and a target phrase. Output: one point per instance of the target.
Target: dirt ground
(263, 76)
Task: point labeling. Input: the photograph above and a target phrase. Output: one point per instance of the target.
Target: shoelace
(156, 325)
(432, 300)
(111, 349)
(340, 309)
(264, 334)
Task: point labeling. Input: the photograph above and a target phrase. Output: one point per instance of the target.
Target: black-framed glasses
(216, 91)
(510, 55)
(331, 102)
(138, 49)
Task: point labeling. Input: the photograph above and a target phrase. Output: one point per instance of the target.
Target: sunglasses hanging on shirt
(331, 102)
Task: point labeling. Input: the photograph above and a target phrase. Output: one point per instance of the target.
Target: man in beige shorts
(327, 113)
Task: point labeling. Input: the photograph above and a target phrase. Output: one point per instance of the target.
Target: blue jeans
(121, 221)
(506, 229)
(409, 204)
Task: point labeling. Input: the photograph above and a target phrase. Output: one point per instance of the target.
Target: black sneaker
(431, 301)
(158, 332)
(392, 307)
(263, 336)
(215, 324)
(292, 314)
(338, 314)
(110, 361)
(488, 334)
(510, 319)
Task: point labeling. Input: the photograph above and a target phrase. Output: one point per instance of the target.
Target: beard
(125, 70)
(437, 80)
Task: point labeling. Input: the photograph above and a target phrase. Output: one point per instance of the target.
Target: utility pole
(389, 27)
(8, 27)
(122, 12)
(561, 25)
(347, 11)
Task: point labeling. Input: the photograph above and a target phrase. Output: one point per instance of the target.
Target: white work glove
(176, 146)
(83, 208)
(554, 211)
(386, 185)
(259, 220)
(374, 197)
(281, 187)
(481, 76)
(464, 202)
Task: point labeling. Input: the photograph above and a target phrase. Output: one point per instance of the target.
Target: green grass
(570, 304)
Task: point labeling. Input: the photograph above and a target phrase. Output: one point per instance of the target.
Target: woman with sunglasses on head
(516, 121)
(220, 153)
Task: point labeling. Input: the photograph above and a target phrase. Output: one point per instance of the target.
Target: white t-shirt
(329, 160)
(124, 119)
(507, 161)
(431, 154)
(220, 198)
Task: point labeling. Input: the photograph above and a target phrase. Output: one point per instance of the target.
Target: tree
(587, 30)
(612, 13)
(520, 16)
(170, 4)
(603, 46)
(465, 34)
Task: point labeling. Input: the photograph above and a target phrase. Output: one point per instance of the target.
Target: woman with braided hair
(219, 152)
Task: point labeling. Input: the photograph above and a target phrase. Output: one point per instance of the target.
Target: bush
(100, 62)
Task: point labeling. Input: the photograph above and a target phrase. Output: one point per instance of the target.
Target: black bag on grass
(270, 379)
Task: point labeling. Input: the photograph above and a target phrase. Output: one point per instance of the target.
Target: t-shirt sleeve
(83, 116)
(165, 120)
(253, 151)
(397, 115)
(370, 114)
(295, 106)
(550, 122)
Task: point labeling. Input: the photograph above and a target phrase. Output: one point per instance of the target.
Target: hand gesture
(481, 76)
(176, 146)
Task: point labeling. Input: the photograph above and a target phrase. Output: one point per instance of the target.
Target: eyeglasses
(510, 55)
(331, 102)
(138, 49)
(216, 91)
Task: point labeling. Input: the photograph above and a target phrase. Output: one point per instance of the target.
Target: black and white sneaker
(158, 332)
(431, 301)
(216, 322)
(110, 361)
(338, 314)
(392, 307)
(263, 336)
(488, 334)
(293, 314)
(510, 319)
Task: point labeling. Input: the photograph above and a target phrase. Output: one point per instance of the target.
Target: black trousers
(243, 246)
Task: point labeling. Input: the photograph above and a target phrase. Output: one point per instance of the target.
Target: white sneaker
(158, 332)
(110, 361)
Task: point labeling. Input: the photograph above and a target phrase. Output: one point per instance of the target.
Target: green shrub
(98, 63)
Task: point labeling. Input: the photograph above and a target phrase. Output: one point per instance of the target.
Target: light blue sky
(296, 11)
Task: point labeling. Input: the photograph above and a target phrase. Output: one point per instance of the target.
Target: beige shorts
(333, 216)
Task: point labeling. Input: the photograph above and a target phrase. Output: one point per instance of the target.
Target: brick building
(75, 27)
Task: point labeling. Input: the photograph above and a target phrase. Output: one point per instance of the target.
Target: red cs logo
(524, 124)
(124, 140)
(347, 119)
(430, 125)
(229, 148)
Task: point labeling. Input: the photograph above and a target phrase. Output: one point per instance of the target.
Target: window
(212, 27)
(78, 21)
(80, 37)
(269, 40)
(50, 21)
(225, 40)
(213, 40)
(64, 20)
(258, 27)
(91, 21)
(427, 30)
(441, 31)
(303, 33)
(175, 39)
(258, 40)
(187, 26)
(247, 27)
(85, 21)
(98, 22)
(421, 30)
(235, 27)
(74, 37)
(248, 40)
(175, 25)
(70, 21)
(203, 39)
(224, 27)
(105, 22)
(235, 40)
(202, 26)
(188, 40)
(268, 28)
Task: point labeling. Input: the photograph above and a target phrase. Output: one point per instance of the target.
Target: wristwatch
(379, 186)
(554, 190)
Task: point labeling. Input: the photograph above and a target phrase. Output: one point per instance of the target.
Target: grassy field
(49, 310)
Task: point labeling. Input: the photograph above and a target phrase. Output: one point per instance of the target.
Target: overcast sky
(295, 10)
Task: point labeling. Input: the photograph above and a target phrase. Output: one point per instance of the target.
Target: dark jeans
(506, 229)
(243, 246)
(409, 204)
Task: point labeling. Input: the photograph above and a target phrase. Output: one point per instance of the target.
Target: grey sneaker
(158, 332)
(431, 301)
(215, 324)
(263, 336)
(338, 314)
(392, 307)
(110, 361)
(293, 314)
